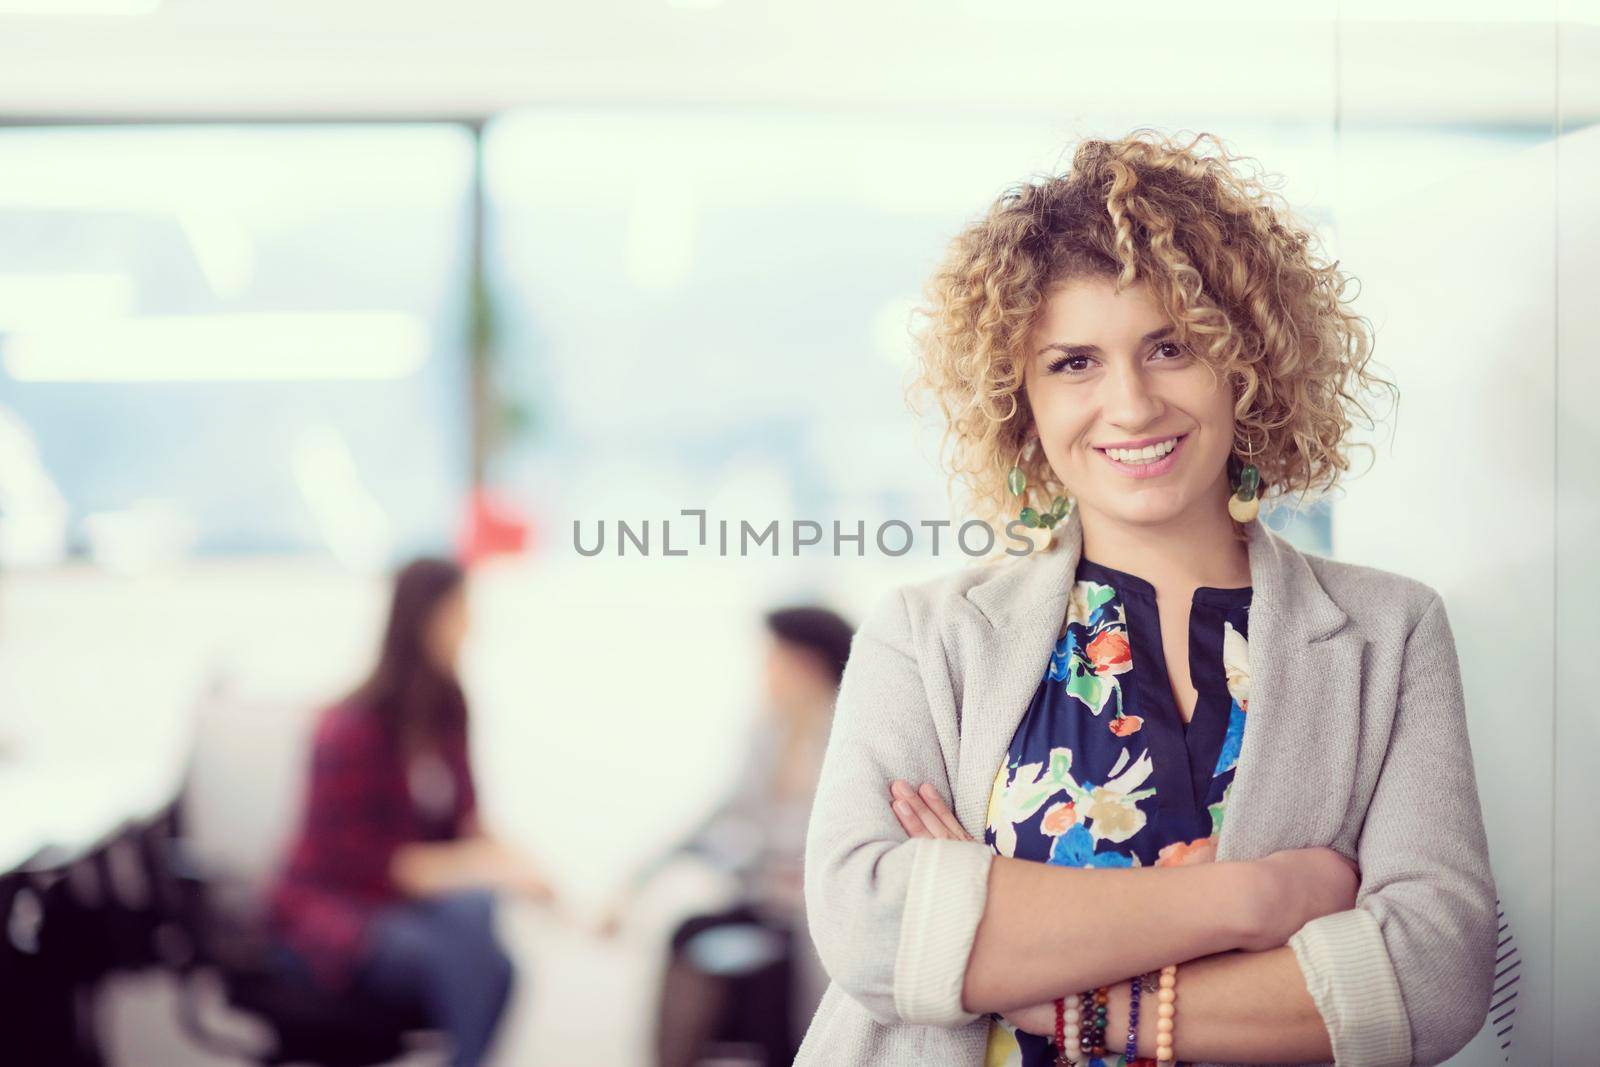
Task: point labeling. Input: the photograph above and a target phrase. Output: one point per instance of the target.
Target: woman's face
(447, 630)
(1104, 375)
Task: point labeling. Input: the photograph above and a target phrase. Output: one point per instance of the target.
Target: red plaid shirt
(358, 811)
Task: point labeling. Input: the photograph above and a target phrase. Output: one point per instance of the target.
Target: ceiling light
(79, 7)
(243, 346)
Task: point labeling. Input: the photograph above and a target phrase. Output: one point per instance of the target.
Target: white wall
(1457, 275)
(1477, 257)
(1576, 829)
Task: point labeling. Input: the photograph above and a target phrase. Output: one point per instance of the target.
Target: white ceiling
(1395, 62)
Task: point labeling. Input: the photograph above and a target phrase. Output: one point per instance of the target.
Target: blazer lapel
(1023, 606)
(1305, 666)
(1305, 704)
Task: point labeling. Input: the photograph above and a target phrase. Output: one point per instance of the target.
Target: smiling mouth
(1144, 463)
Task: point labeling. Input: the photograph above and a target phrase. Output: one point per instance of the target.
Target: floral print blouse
(1103, 771)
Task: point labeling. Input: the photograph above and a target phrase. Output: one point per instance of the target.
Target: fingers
(912, 812)
(942, 812)
(923, 813)
(907, 818)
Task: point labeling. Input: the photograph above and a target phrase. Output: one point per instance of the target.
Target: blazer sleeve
(1405, 977)
(893, 918)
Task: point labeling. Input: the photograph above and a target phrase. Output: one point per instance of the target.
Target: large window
(234, 339)
(708, 308)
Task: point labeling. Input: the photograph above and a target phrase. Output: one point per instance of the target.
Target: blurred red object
(492, 527)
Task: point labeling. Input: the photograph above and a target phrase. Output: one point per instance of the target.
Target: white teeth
(1148, 454)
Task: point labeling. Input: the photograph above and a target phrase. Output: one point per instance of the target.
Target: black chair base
(314, 1027)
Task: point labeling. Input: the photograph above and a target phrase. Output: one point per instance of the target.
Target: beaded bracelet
(1092, 1041)
(1075, 1042)
(1167, 1011)
(1086, 1023)
(1131, 1052)
(1066, 1033)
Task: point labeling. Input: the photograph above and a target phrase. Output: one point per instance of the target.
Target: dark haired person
(387, 887)
(739, 973)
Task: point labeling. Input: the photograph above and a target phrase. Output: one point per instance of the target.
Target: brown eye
(1073, 364)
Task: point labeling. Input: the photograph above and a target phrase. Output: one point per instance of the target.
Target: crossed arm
(930, 931)
(1234, 1004)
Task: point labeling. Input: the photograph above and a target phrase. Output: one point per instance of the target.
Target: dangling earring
(1246, 499)
(1017, 482)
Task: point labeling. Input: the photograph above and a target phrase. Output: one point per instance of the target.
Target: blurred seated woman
(739, 973)
(386, 891)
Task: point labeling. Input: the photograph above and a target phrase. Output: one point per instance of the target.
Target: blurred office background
(289, 292)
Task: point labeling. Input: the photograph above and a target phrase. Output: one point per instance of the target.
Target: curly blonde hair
(1241, 278)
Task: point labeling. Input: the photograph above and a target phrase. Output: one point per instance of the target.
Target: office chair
(206, 934)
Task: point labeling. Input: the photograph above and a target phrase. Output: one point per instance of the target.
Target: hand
(513, 871)
(923, 812)
(1039, 1020)
(526, 880)
(1295, 886)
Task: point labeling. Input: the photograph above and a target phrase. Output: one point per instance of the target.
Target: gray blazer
(1356, 740)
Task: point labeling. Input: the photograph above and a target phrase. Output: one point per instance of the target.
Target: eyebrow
(1089, 350)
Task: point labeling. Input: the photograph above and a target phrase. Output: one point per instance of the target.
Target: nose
(1127, 401)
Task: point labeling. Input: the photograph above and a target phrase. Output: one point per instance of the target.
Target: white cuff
(1347, 971)
(944, 901)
